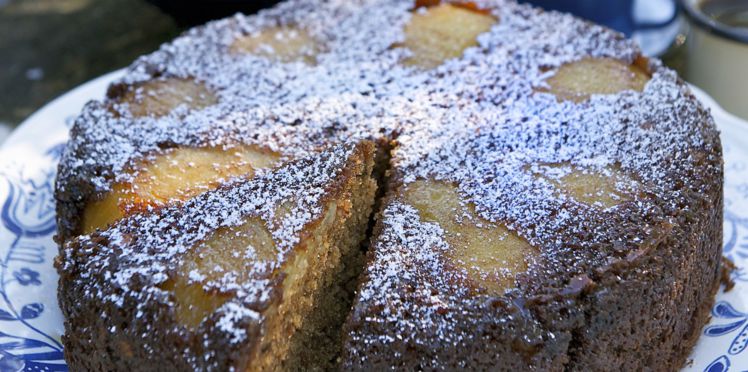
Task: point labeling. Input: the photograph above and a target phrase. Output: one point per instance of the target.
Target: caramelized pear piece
(101, 212)
(158, 97)
(284, 44)
(577, 81)
(489, 253)
(442, 32)
(228, 251)
(174, 175)
(588, 186)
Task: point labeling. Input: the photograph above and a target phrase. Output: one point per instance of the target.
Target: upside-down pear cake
(383, 184)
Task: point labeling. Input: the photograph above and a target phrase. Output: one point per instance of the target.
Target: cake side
(662, 297)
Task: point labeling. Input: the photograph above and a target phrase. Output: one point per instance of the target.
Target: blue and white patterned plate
(30, 320)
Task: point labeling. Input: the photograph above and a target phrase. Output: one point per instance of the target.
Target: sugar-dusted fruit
(604, 188)
(490, 254)
(175, 174)
(285, 44)
(159, 97)
(228, 252)
(435, 34)
(577, 81)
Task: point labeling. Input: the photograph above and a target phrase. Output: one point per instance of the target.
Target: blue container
(616, 14)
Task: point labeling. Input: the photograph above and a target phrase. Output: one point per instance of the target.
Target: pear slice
(159, 97)
(442, 32)
(173, 175)
(229, 250)
(596, 188)
(577, 81)
(284, 44)
(489, 253)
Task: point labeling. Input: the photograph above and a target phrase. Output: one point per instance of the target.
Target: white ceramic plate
(30, 320)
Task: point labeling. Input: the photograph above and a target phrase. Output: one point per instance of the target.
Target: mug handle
(638, 26)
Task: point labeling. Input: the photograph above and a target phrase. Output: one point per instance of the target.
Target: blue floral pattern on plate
(28, 217)
(30, 320)
(729, 325)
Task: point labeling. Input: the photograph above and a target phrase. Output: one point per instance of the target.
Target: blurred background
(48, 47)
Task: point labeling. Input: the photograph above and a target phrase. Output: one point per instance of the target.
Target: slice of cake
(541, 244)
(251, 276)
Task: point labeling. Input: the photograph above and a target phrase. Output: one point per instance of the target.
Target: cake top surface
(358, 86)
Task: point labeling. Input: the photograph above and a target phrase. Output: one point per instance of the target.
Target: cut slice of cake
(250, 276)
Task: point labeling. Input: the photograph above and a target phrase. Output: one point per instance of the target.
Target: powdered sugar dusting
(232, 314)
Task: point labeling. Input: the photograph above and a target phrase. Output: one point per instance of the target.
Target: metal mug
(717, 51)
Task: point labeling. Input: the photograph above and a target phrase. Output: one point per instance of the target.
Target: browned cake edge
(647, 313)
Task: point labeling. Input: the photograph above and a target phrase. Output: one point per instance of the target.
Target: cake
(383, 184)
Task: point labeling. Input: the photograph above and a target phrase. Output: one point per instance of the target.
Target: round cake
(383, 184)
